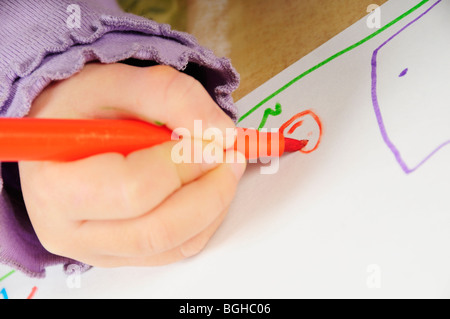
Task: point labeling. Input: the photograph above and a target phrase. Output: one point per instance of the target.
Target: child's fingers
(158, 93)
(102, 188)
(112, 187)
(188, 249)
(186, 213)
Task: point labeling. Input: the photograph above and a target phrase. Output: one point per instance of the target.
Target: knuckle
(141, 194)
(223, 193)
(177, 86)
(158, 83)
(155, 238)
(131, 195)
(222, 199)
(193, 247)
(170, 80)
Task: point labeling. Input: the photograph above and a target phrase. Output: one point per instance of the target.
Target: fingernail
(238, 163)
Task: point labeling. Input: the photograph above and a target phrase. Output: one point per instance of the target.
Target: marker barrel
(27, 139)
(30, 139)
(255, 144)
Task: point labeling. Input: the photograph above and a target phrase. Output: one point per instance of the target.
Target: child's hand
(140, 210)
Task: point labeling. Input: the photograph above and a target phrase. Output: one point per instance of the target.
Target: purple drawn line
(376, 105)
(403, 73)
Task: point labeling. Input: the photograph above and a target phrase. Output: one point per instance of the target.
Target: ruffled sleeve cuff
(107, 38)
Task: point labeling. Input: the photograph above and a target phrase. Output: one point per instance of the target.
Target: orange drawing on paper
(314, 136)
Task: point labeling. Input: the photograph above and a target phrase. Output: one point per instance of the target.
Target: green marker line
(7, 275)
(269, 112)
(314, 68)
(158, 123)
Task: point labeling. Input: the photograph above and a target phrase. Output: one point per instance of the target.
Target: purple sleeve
(41, 41)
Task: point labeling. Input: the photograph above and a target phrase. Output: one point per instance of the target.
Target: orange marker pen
(29, 139)
(255, 144)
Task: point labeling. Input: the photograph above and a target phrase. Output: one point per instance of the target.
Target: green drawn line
(7, 275)
(269, 112)
(158, 123)
(314, 68)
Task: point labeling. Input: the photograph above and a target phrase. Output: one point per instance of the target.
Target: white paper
(345, 221)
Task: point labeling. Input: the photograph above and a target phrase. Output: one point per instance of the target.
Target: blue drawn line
(4, 294)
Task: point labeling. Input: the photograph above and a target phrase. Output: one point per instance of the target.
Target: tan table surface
(263, 37)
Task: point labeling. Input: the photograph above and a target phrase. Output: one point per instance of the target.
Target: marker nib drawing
(292, 145)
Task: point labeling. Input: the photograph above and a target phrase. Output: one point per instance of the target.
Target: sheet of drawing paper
(362, 212)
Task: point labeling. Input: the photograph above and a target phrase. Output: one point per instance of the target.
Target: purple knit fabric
(37, 46)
